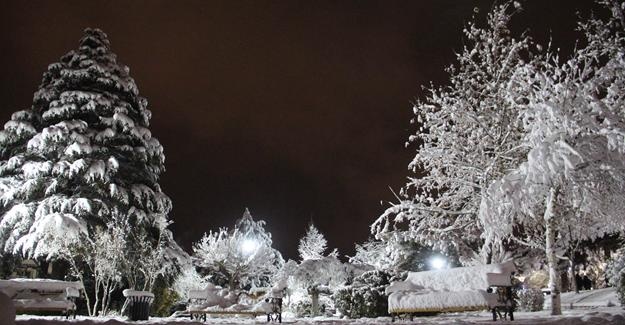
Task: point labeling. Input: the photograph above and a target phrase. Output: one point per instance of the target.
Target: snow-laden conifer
(80, 158)
(313, 245)
(92, 155)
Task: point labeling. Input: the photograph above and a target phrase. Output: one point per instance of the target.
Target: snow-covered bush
(538, 279)
(302, 306)
(530, 299)
(188, 279)
(615, 272)
(365, 297)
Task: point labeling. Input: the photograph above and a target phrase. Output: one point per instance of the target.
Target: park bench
(213, 301)
(483, 287)
(42, 295)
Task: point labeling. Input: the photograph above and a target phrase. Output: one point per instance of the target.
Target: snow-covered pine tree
(468, 135)
(570, 186)
(80, 156)
(313, 245)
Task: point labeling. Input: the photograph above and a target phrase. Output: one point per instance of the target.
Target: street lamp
(438, 263)
(249, 246)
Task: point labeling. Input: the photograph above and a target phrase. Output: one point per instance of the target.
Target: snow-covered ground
(598, 316)
(585, 308)
(587, 299)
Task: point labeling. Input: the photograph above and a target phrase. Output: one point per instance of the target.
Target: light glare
(438, 263)
(248, 246)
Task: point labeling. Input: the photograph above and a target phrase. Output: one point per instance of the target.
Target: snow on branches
(238, 258)
(468, 135)
(570, 185)
(313, 245)
(79, 159)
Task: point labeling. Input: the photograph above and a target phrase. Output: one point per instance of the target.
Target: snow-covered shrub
(365, 297)
(164, 301)
(530, 299)
(301, 306)
(538, 279)
(616, 275)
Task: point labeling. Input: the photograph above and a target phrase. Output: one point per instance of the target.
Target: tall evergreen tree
(92, 155)
(80, 159)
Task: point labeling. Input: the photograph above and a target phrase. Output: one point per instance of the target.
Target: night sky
(297, 110)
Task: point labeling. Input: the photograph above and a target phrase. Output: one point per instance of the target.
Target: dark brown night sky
(298, 110)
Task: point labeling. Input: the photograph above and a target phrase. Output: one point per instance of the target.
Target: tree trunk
(572, 276)
(314, 293)
(94, 310)
(550, 250)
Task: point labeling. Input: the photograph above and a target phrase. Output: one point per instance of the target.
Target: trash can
(138, 304)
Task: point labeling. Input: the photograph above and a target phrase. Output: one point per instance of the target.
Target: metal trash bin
(138, 304)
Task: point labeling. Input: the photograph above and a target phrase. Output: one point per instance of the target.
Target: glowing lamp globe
(438, 263)
(248, 246)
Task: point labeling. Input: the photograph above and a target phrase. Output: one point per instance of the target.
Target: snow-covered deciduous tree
(150, 256)
(468, 135)
(313, 245)
(570, 186)
(81, 158)
(394, 254)
(240, 258)
(101, 257)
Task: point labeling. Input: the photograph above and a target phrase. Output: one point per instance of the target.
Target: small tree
(240, 258)
(317, 276)
(313, 245)
(100, 257)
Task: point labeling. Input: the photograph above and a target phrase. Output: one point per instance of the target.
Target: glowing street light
(438, 263)
(249, 246)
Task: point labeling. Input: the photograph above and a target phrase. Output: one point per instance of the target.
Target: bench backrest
(479, 277)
